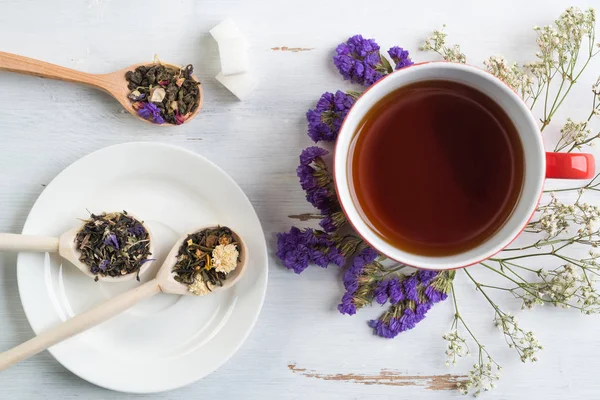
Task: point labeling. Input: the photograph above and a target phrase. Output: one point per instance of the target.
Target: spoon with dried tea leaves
(80, 246)
(163, 282)
(114, 83)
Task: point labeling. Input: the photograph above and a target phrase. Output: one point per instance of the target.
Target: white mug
(539, 165)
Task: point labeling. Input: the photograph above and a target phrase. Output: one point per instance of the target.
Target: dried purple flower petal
(410, 288)
(400, 57)
(325, 120)
(111, 240)
(310, 154)
(359, 61)
(103, 265)
(298, 248)
(395, 291)
(381, 292)
(137, 230)
(347, 305)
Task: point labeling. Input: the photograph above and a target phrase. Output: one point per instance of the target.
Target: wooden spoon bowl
(113, 83)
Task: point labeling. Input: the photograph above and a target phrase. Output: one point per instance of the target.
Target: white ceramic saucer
(168, 341)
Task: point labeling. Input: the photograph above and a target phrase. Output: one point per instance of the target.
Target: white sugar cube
(240, 85)
(233, 53)
(226, 29)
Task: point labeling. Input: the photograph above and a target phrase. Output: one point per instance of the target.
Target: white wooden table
(301, 347)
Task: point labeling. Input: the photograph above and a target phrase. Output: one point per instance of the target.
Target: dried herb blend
(162, 94)
(206, 258)
(113, 244)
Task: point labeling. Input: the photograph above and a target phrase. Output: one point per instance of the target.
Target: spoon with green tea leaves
(112, 247)
(159, 93)
(181, 273)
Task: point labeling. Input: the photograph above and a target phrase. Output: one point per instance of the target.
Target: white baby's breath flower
(437, 42)
(523, 341)
(481, 377)
(457, 347)
(514, 76)
(224, 258)
(575, 132)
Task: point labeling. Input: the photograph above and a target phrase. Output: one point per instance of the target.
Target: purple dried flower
(395, 292)
(147, 260)
(298, 248)
(103, 265)
(336, 256)
(408, 320)
(366, 256)
(321, 199)
(292, 250)
(325, 121)
(359, 61)
(408, 305)
(327, 224)
(382, 329)
(319, 258)
(310, 154)
(111, 240)
(434, 295)
(307, 179)
(400, 57)
(426, 276)
(137, 230)
(380, 294)
(151, 111)
(410, 288)
(347, 305)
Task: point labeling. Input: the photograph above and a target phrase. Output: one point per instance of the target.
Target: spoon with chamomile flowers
(114, 247)
(157, 92)
(209, 260)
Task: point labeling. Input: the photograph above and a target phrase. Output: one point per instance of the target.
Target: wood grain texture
(47, 125)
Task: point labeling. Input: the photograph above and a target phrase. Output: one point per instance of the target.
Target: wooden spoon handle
(29, 66)
(14, 242)
(78, 324)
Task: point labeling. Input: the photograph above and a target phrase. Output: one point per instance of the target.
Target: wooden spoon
(163, 282)
(114, 83)
(66, 248)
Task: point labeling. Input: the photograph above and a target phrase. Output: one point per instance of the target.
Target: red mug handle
(570, 166)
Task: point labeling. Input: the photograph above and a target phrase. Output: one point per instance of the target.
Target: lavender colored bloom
(321, 199)
(320, 258)
(382, 329)
(137, 230)
(298, 248)
(292, 250)
(151, 111)
(103, 265)
(310, 154)
(307, 179)
(351, 281)
(412, 308)
(408, 320)
(347, 305)
(327, 224)
(400, 57)
(435, 296)
(147, 260)
(395, 292)
(426, 276)
(366, 256)
(336, 256)
(381, 294)
(325, 121)
(111, 240)
(410, 288)
(359, 61)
